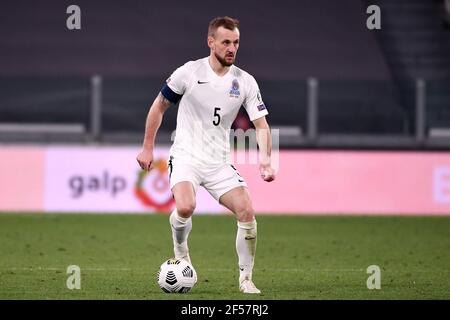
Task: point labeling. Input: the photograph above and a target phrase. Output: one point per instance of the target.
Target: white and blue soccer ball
(176, 276)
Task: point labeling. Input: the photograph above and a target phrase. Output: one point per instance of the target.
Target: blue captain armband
(170, 95)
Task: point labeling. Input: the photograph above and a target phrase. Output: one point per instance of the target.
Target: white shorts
(217, 181)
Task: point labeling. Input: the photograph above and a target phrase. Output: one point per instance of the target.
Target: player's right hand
(267, 172)
(145, 160)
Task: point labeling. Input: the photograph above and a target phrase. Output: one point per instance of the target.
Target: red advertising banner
(21, 178)
(108, 179)
(349, 182)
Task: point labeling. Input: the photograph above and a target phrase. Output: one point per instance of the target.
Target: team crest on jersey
(234, 92)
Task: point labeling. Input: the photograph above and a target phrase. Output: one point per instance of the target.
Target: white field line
(217, 269)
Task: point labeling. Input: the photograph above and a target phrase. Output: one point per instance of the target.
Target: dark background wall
(280, 39)
(366, 77)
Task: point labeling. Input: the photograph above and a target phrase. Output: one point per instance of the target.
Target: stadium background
(362, 117)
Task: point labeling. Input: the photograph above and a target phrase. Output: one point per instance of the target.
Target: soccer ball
(176, 275)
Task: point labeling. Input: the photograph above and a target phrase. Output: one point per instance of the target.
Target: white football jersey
(208, 106)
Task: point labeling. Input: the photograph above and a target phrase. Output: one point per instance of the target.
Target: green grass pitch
(298, 257)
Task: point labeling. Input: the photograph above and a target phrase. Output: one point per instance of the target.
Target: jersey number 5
(216, 114)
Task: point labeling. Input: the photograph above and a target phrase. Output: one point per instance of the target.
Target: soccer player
(211, 91)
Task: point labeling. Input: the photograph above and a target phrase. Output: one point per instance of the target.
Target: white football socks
(180, 231)
(246, 248)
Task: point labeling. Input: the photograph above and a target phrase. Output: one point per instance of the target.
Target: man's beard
(222, 61)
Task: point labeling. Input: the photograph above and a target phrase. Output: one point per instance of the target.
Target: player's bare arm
(152, 124)
(264, 139)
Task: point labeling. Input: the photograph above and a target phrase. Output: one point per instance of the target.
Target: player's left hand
(267, 172)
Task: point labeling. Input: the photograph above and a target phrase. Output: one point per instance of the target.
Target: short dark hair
(226, 22)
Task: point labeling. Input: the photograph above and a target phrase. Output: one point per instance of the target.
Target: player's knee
(245, 213)
(185, 209)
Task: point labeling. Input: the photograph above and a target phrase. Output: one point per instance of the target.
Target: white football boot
(247, 286)
(186, 258)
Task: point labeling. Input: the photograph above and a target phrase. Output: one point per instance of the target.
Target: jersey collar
(214, 75)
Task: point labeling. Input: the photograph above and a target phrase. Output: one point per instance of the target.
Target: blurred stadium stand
(367, 80)
(416, 45)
